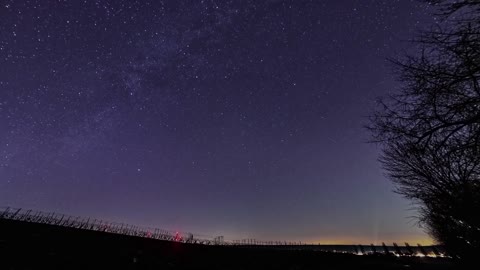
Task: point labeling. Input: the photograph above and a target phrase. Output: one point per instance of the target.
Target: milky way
(235, 118)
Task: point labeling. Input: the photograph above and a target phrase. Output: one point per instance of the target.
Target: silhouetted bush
(430, 130)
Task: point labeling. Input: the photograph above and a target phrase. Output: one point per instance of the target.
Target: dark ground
(39, 246)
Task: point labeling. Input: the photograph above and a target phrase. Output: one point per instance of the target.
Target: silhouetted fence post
(385, 249)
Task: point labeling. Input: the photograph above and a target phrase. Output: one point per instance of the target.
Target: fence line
(77, 222)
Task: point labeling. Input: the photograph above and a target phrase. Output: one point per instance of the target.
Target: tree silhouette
(430, 131)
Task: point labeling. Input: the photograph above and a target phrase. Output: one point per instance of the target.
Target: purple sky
(234, 118)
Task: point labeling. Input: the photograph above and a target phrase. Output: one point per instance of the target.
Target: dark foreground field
(39, 246)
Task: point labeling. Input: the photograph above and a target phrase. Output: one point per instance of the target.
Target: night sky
(235, 118)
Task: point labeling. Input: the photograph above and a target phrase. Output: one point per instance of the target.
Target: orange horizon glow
(424, 241)
(412, 239)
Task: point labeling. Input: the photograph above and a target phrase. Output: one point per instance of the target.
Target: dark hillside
(26, 245)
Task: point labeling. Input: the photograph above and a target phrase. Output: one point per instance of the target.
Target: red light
(177, 237)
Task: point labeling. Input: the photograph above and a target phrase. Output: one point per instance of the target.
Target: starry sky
(235, 118)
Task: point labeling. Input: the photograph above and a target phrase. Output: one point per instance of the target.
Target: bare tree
(430, 130)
